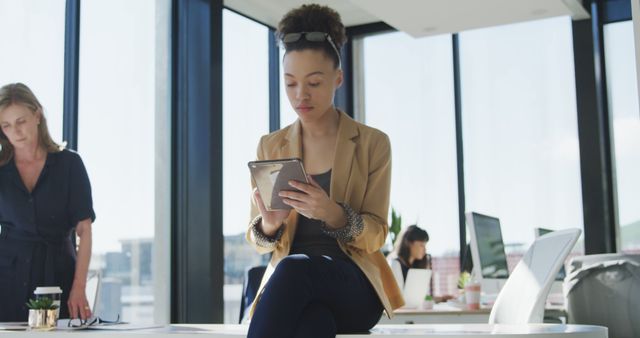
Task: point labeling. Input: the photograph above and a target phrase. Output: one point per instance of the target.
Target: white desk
(386, 331)
(441, 314)
(444, 313)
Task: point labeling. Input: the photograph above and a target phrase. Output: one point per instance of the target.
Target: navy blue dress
(36, 241)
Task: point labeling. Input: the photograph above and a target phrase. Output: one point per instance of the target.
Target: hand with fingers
(78, 304)
(271, 220)
(313, 202)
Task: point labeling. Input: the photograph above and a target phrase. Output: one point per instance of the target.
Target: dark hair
(411, 234)
(313, 18)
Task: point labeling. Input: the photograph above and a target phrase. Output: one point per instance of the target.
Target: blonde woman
(45, 194)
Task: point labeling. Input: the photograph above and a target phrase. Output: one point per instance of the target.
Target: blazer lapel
(292, 142)
(343, 158)
(291, 147)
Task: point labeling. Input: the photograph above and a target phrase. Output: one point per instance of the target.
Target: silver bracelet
(262, 239)
(349, 232)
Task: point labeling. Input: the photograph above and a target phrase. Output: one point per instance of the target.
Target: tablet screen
(273, 176)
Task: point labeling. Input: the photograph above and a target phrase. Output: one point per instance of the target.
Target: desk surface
(442, 308)
(441, 314)
(386, 331)
(445, 313)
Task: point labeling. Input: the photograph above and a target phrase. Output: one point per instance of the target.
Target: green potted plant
(394, 229)
(43, 314)
(427, 304)
(471, 289)
(464, 279)
(395, 226)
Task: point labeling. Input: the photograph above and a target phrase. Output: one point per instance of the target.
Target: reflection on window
(521, 152)
(623, 107)
(245, 119)
(413, 103)
(116, 141)
(33, 53)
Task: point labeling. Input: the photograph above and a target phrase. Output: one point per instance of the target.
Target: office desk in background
(440, 314)
(380, 331)
(444, 313)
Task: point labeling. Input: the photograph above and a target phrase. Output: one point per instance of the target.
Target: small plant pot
(43, 319)
(427, 304)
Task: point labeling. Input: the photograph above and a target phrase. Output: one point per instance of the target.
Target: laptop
(416, 287)
(92, 290)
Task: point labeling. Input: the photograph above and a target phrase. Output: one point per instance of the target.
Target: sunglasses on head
(312, 37)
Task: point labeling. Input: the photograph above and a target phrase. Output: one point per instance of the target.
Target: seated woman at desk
(411, 253)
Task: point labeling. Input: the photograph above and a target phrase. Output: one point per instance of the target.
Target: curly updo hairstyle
(313, 18)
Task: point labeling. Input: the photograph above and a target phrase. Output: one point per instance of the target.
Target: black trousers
(315, 296)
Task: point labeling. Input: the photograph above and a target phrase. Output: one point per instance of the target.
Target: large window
(413, 103)
(33, 53)
(116, 139)
(245, 119)
(521, 147)
(623, 107)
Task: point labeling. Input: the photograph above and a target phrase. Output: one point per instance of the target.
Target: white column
(162, 241)
(635, 8)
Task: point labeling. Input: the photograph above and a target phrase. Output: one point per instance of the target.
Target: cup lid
(43, 290)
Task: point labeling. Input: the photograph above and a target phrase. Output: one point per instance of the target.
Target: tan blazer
(361, 178)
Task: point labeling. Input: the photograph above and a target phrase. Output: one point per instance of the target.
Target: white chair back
(523, 297)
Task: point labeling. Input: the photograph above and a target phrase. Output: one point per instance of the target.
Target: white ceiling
(421, 17)
(271, 11)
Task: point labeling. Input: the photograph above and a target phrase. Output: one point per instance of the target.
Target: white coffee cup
(52, 292)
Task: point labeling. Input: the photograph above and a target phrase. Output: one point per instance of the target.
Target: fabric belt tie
(50, 244)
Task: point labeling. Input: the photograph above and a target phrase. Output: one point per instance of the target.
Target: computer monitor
(556, 286)
(487, 252)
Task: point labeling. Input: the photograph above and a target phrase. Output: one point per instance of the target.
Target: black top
(36, 247)
(309, 238)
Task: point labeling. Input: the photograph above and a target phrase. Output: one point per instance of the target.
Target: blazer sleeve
(375, 206)
(260, 242)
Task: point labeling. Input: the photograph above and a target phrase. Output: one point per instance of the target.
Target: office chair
(605, 290)
(523, 297)
(252, 279)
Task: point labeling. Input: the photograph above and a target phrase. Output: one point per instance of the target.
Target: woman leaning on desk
(44, 196)
(327, 274)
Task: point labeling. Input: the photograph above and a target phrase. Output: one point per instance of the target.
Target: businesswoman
(410, 252)
(327, 274)
(44, 195)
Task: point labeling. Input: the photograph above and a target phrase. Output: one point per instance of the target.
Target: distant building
(238, 256)
(127, 282)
